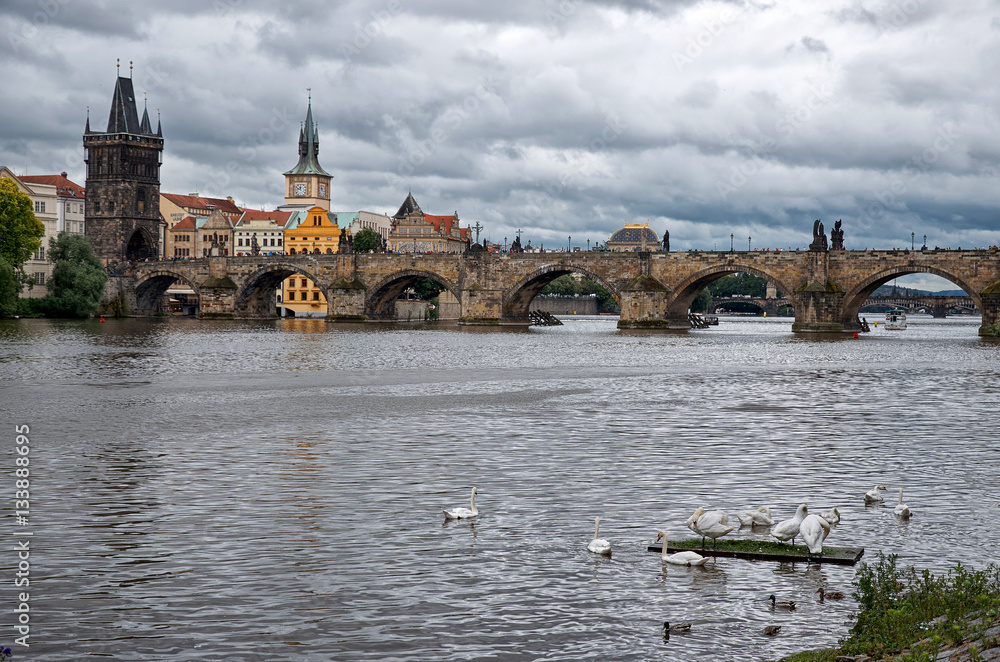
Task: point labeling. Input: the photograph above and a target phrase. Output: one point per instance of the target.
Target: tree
(9, 288)
(426, 288)
(365, 241)
(78, 278)
(20, 232)
(702, 302)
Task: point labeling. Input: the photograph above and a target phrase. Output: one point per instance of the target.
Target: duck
(788, 529)
(873, 495)
(679, 558)
(833, 595)
(902, 510)
(772, 630)
(759, 517)
(679, 627)
(832, 516)
(599, 545)
(814, 530)
(713, 524)
(781, 604)
(463, 513)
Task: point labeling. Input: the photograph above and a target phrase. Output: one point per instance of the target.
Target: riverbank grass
(910, 617)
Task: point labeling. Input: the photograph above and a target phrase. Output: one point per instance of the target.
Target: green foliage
(994, 329)
(741, 283)
(917, 611)
(9, 288)
(702, 302)
(365, 240)
(427, 289)
(568, 286)
(78, 278)
(20, 231)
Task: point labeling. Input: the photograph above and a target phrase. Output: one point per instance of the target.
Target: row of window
(182, 252)
(303, 296)
(307, 239)
(249, 242)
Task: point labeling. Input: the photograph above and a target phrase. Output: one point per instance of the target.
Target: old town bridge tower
(122, 216)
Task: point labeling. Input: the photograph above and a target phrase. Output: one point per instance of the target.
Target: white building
(58, 204)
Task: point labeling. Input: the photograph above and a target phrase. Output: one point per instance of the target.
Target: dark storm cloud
(561, 117)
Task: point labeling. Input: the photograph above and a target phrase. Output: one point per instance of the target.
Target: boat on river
(895, 320)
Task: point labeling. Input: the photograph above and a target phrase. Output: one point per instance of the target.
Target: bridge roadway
(653, 289)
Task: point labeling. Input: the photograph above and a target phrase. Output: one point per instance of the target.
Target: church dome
(632, 234)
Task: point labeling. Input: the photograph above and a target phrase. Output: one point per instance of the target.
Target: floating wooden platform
(765, 551)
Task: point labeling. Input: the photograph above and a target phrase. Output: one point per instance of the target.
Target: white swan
(679, 558)
(463, 513)
(789, 528)
(759, 517)
(713, 524)
(814, 530)
(902, 510)
(873, 495)
(598, 545)
(832, 516)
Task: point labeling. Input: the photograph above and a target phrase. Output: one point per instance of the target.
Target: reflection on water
(206, 490)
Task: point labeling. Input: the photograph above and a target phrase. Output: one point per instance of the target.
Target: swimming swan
(597, 545)
(902, 510)
(713, 524)
(814, 530)
(463, 513)
(789, 528)
(873, 495)
(679, 558)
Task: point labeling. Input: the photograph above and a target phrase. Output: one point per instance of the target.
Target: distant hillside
(886, 291)
(889, 290)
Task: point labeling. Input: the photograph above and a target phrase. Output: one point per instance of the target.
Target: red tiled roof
(439, 221)
(198, 202)
(187, 223)
(279, 217)
(64, 187)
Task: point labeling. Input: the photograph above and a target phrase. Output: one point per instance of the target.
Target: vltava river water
(273, 490)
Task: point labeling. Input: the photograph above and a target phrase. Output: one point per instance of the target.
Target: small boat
(712, 319)
(895, 320)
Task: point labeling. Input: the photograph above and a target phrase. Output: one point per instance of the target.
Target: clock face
(300, 189)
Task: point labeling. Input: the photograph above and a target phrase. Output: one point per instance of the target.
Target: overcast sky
(557, 117)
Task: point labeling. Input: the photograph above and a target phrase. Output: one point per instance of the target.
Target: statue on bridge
(344, 242)
(254, 246)
(666, 241)
(836, 237)
(515, 246)
(819, 237)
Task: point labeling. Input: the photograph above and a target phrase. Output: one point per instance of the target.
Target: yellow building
(317, 233)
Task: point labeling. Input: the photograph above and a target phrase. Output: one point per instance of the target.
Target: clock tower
(307, 183)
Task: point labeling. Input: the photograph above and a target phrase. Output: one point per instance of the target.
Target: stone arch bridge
(653, 289)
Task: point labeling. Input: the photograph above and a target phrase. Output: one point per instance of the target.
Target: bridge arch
(151, 287)
(380, 302)
(517, 298)
(855, 298)
(255, 298)
(681, 299)
(140, 245)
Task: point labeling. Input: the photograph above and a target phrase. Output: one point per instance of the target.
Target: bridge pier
(346, 302)
(481, 307)
(644, 306)
(820, 309)
(990, 308)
